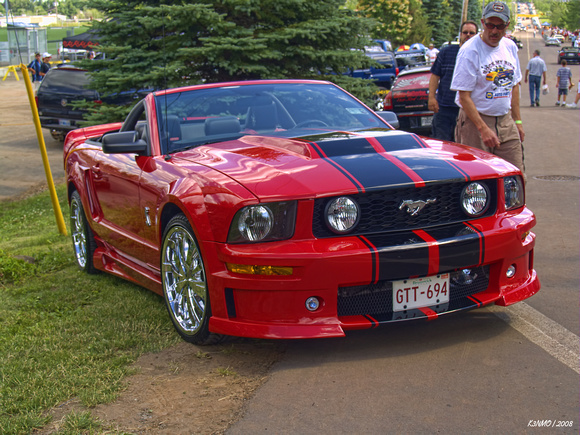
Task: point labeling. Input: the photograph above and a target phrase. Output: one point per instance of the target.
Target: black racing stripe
(402, 260)
(374, 254)
(336, 165)
(463, 249)
(423, 164)
(342, 146)
(399, 141)
(481, 238)
(369, 168)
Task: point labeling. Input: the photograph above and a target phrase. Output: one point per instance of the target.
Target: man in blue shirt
(536, 69)
(35, 67)
(441, 98)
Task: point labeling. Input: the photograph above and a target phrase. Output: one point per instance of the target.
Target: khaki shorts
(510, 149)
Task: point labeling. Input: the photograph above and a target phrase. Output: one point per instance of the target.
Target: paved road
(488, 371)
(21, 168)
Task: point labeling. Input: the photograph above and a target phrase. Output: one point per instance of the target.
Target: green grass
(64, 334)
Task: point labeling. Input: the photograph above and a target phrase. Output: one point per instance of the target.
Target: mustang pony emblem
(414, 207)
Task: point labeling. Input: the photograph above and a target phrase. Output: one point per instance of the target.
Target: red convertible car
(288, 209)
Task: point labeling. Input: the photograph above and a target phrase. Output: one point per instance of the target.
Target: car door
(115, 181)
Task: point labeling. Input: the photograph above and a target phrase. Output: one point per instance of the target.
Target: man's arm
(516, 115)
(433, 84)
(526, 78)
(488, 136)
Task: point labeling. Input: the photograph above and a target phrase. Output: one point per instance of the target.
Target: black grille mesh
(377, 298)
(380, 209)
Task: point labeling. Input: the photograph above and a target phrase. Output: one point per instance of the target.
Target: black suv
(60, 87)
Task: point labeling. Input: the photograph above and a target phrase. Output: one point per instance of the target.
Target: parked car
(552, 42)
(383, 73)
(409, 98)
(410, 58)
(288, 209)
(559, 37)
(570, 54)
(379, 45)
(64, 85)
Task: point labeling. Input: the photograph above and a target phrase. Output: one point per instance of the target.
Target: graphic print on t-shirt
(501, 74)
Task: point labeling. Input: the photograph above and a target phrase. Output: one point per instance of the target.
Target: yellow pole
(55, 204)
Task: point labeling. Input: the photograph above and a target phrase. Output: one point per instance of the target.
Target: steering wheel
(311, 123)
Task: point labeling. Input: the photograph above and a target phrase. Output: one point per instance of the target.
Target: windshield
(193, 117)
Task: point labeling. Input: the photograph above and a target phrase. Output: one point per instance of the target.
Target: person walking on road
(563, 82)
(536, 69)
(441, 98)
(574, 105)
(487, 77)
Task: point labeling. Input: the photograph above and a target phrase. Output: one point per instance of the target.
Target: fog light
(312, 303)
(511, 271)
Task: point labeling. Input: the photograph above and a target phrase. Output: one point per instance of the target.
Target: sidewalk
(21, 168)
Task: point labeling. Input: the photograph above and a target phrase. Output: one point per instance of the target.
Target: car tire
(83, 239)
(184, 283)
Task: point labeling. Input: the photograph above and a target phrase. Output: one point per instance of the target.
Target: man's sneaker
(532, 105)
(557, 103)
(538, 103)
(573, 106)
(563, 104)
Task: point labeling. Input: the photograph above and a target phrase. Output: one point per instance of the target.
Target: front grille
(377, 299)
(380, 209)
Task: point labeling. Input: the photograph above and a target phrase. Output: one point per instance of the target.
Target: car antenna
(167, 155)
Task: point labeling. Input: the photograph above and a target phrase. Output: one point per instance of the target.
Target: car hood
(277, 168)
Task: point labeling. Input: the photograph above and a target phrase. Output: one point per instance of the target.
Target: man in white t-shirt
(487, 77)
(432, 53)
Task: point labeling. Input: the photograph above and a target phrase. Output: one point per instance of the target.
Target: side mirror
(390, 117)
(124, 142)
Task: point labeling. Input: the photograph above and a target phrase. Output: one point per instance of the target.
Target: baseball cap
(46, 55)
(497, 9)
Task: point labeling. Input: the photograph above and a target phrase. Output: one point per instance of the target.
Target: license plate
(420, 292)
(426, 121)
(64, 122)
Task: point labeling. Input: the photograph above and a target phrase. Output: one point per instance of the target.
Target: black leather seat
(173, 128)
(222, 125)
(262, 117)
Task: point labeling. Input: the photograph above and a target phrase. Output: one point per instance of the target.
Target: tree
(573, 18)
(156, 45)
(393, 18)
(420, 31)
(444, 18)
(19, 7)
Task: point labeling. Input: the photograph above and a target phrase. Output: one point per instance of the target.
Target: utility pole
(464, 11)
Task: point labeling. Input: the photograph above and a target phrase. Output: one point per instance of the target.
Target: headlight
(475, 199)
(263, 222)
(342, 214)
(514, 192)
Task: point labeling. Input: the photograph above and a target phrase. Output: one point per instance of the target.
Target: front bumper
(361, 268)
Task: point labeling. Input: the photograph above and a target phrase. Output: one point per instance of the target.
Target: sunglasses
(492, 26)
(469, 33)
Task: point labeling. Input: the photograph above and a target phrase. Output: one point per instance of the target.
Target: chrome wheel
(77, 228)
(82, 235)
(184, 281)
